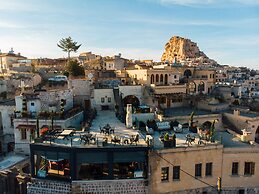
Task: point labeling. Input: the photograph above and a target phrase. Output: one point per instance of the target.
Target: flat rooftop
(230, 140)
(225, 138)
(249, 114)
(11, 160)
(8, 103)
(181, 140)
(184, 111)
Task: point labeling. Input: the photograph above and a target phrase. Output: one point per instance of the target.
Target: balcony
(169, 89)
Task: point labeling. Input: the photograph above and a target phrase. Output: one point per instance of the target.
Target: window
(152, 79)
(235, 168)
(162, 100)
(32, 103)
(102, 100)
(241, 191)
(176, 173)
(198, 170)
(109, 99)
(175, 76)
(249, 168)
(157, 78)
(11, 120)
(208, 169)
(161, 78)
(164, 173)
(23, 134)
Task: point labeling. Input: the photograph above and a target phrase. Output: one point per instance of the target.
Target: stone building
(6, 127)
(7, 59)
(40, 110)
(196, 169)
(103, 163)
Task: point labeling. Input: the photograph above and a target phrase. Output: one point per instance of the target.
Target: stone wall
(110, 186)
(38, 186)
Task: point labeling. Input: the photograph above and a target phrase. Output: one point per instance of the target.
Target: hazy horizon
(226, 31)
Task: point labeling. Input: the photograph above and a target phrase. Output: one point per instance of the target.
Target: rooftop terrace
(117, 134)
(183, 139)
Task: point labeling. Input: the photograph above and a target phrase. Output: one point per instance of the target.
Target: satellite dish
(90, 75)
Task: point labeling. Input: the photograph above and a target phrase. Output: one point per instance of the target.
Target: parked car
(58, 78)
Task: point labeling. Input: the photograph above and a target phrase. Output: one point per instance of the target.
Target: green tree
(74, 69)
(68, 45)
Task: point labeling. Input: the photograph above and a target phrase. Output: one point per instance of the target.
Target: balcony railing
(48, 114)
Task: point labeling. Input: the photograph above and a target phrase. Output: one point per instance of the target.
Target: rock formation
(185, 51)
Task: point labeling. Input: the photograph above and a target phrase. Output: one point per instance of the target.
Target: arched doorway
(152, 79)
(157, 78)
(131, 99)
(201, 87)
(161, 79)
(187, 73)
(257, 135)
(192, 87)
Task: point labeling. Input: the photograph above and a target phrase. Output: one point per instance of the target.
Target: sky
(225, 30)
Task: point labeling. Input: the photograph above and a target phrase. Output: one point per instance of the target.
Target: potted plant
(167, 142)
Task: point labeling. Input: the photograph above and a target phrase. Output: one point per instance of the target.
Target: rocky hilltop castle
(182, 50)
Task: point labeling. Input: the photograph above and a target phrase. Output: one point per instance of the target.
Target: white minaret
(129, 116)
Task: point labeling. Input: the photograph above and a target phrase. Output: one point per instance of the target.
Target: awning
(31, 127)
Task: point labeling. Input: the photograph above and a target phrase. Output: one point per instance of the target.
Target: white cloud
(5, 24)
(15, 5)
(131, 53)
(192, 22)
(252, 2)
(207, 2)
(187, 2)
(179, 22)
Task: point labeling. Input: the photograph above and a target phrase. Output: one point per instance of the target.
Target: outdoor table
(65, 134)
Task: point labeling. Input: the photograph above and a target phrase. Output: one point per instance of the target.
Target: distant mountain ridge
(183, 50)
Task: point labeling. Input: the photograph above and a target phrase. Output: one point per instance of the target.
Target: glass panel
(40, 164)
(89, 157)
(129, 170)
(164, 173)
(52, 165)
(198, 169)
(176, 172)
(129, 157)
(93, 171)
(51, 156)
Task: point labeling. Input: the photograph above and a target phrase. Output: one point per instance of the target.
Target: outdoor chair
(115, 140)
(101, 130)
(190, 139)
(134, 139)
